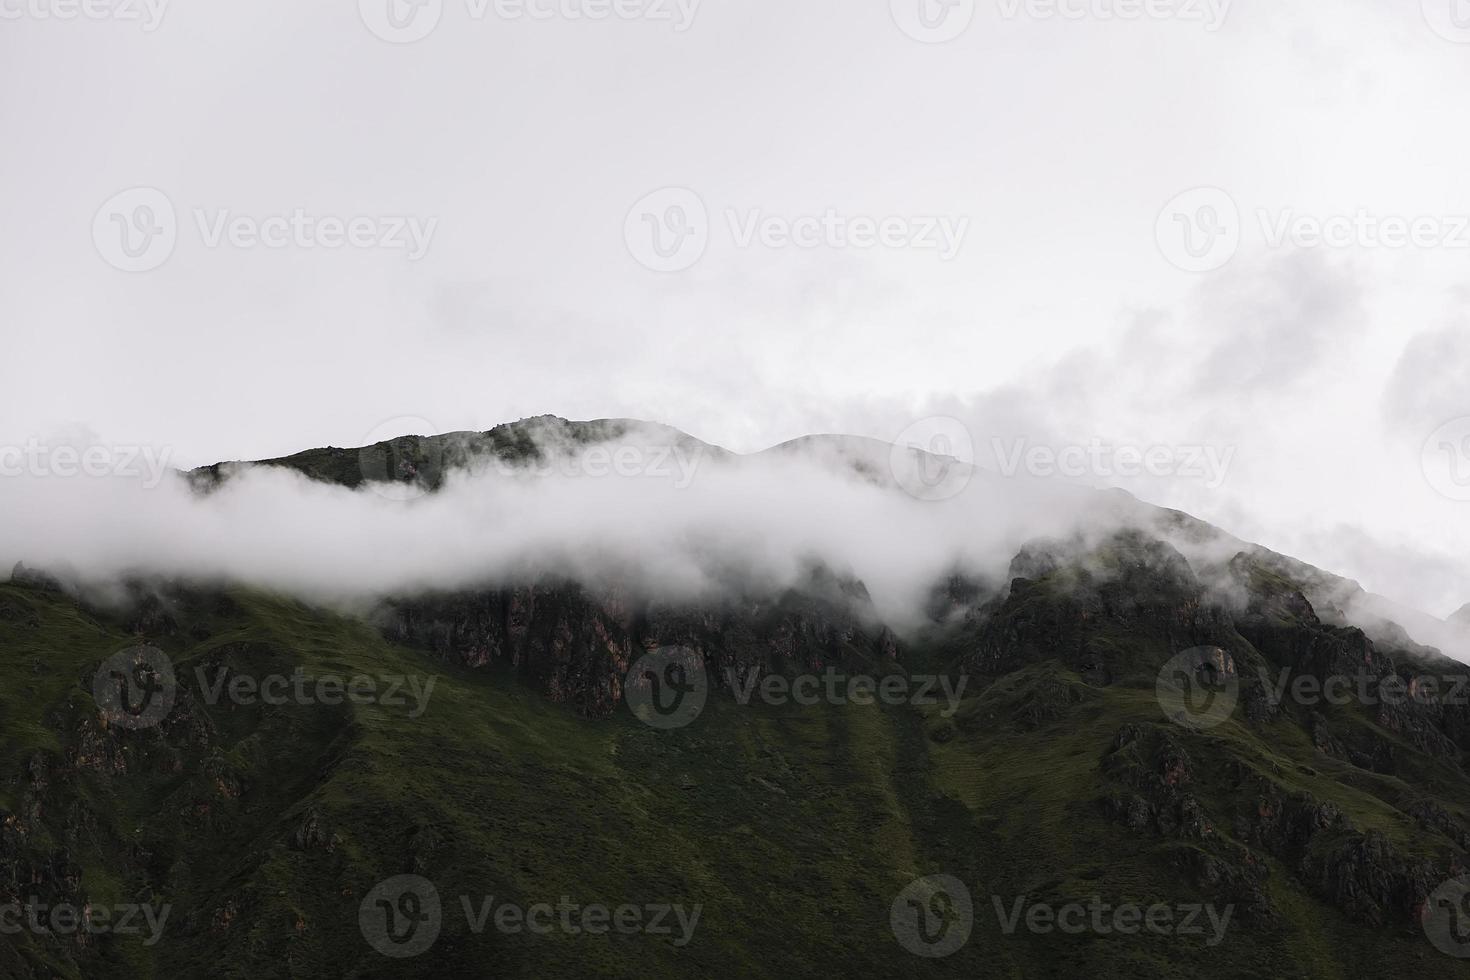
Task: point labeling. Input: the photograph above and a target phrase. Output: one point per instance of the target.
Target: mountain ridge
(412, 458)
(1074, 763)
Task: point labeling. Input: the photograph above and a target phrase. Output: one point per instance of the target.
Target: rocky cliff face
(576, 644)
(1112, 616)
(266, 824)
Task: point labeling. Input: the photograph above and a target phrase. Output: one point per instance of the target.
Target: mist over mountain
(666, 488)
(659, 512)
(498, 595)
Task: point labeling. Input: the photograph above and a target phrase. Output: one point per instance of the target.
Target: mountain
(1135, 728)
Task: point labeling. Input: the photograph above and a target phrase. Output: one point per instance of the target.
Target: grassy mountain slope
(1059, 779)
(794, 827)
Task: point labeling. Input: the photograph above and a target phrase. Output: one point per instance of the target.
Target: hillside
(1079, 767)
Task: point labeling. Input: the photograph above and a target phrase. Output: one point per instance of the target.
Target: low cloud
(675, 519)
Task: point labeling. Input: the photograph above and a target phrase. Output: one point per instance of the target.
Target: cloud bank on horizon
(637, 509)
(437, 239)
(668, 517)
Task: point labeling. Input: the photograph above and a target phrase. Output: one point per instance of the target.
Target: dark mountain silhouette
(1163, 716)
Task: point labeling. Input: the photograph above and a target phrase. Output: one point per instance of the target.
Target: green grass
(793, 827)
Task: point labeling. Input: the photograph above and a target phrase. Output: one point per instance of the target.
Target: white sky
(1059, 321)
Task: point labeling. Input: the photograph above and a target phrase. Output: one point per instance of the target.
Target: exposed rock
(577, 645)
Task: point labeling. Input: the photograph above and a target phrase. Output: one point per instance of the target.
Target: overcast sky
(1234, 231)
